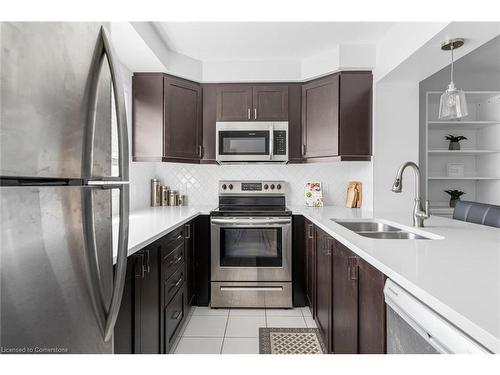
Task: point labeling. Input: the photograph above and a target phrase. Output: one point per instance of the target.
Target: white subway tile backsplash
(200, 182)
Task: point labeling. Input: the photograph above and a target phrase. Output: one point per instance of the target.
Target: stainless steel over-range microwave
(243, 142)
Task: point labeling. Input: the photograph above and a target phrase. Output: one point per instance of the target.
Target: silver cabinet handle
(104, 49)
(310, 231)
(255, 113)
(249, 115)
(200, 151)
(175, 285)
(176, 315)
(188, 232)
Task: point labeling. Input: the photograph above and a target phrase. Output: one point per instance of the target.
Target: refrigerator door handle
(104, 49)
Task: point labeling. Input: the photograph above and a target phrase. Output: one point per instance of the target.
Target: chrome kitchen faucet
(419, 214)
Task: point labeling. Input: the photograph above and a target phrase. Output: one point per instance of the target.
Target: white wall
(251, 71)
(395, 140)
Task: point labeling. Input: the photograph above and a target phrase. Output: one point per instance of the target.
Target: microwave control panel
(280, 142)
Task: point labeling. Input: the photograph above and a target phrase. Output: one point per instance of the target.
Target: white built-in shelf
(462, 152)
(479, 158)
(472, 178)
(439, 125)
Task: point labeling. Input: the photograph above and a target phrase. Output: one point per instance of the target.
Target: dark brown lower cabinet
(137, 328)
(323, 305)
(202, 260)
(345, 300)
(310, 265)
(371, 310)
(346, 295)
(159, 291)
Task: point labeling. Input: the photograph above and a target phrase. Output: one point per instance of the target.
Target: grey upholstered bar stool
(478, 213)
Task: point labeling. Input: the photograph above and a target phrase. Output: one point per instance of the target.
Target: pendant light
(452, 104)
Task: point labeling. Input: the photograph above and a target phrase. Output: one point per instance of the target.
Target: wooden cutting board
(354, 194)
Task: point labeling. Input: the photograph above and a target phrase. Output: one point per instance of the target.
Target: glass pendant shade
(452, 104)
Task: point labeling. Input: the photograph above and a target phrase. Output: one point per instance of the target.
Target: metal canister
(155, 192)
(182, 200)
(165, 195)
(172, 201)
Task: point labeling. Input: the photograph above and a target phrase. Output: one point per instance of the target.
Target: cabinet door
(209, 119)
(189, 264)
(270, 103)
(202, 259)
(310, 265)
(147, 333)
(345, 300)
(147, 117)
(356, 113)
(323, 315)
(372, 311)
(183, 134)
(234, 103)
(295, 124)
(320, 117)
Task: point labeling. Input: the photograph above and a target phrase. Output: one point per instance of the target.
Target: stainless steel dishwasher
(414, 328)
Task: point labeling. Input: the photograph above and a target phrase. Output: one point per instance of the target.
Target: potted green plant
(454, 141)
(454, 196)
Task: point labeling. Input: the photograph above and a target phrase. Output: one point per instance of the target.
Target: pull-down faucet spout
(419, 214)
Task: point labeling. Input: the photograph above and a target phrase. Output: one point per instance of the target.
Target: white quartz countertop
(457, 275)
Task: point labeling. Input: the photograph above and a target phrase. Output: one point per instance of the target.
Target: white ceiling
(215, 41)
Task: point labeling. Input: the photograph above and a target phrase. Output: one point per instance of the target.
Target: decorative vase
(454, 146)
(453, 202)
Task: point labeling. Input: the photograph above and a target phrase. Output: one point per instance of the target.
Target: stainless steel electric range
(251, 246)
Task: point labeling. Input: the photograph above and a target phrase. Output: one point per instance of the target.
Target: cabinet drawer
(174, 283)
(174, 314)
(173, 260)
(170, 240)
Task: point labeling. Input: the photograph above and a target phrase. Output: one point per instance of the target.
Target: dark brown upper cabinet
(209, 120)
(270, 103)
(252, 102)
(234, 103)
(183, 128)
(167, 114)
(337, 117)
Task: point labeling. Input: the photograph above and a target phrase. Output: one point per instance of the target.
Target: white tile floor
(235, 331)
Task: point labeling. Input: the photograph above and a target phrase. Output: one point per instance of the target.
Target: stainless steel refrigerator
(64, 179)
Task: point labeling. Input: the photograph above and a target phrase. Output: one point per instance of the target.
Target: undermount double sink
(379, 230)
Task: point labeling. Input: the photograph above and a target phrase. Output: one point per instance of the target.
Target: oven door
(251, 249)
(241, 142)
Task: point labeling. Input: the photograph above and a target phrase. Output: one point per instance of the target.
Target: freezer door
(45, 70)
(53, 298)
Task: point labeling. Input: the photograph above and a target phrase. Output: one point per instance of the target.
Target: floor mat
(290, 341)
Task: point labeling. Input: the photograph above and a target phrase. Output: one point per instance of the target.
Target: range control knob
(224, 187)
(272, 186)
(231, 186)
(266, 186)
(278, 186)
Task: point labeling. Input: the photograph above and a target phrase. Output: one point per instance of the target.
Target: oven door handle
(251, 289)
(251, 221)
